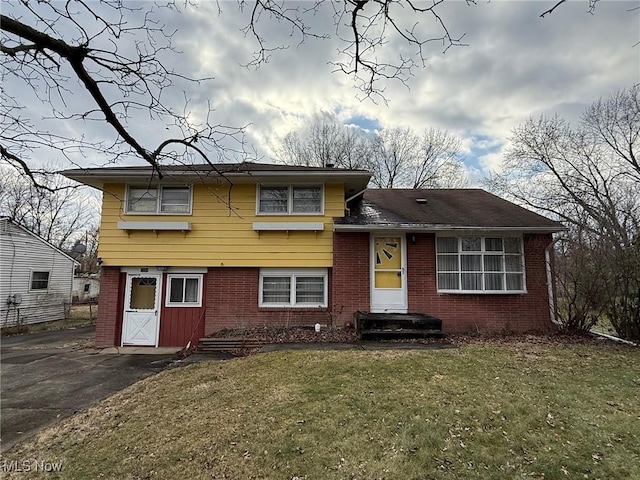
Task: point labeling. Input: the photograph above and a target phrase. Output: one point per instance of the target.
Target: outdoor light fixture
(162, 268)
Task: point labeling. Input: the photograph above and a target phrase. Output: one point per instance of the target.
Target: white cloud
(516, 65)
(492, 162)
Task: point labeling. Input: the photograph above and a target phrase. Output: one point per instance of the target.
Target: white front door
(141, 310)
(388, 274)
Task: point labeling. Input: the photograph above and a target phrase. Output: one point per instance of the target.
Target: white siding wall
(78, 288)
(20, 254)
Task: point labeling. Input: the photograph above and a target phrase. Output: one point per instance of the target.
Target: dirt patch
(270, 335)
(291, 335)
(529, 339)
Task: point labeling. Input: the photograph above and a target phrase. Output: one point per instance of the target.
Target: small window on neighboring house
(39, 280)
(290, 200)
(293, 288)
(153, 200)
(184, 290)
(87, 286)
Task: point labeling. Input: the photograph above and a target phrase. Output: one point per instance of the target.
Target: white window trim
(293, 273)
(289, 211)
(483, 252)
(169, 303)
(32, 271)
(159, 200)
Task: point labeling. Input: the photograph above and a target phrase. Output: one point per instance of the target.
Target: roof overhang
(354, 181)
(442, 228)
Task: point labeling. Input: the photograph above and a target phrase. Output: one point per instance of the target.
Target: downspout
(547, 259)
(348, 200)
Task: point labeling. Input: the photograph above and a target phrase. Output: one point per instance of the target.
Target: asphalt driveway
(51, 375)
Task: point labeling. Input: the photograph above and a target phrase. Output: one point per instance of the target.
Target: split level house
(250, 244)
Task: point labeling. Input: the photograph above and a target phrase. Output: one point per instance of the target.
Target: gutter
(416, 227)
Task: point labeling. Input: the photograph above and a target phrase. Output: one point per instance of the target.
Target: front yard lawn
(514, 410)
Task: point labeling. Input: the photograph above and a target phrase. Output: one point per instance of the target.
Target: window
(293, 288)
(184, 291)
(142, 293)
(153, 200)
(480, 264)
(39, 280)
(274, 200)
(87, 287)
(290, 200)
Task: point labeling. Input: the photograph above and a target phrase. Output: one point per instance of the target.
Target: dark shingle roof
(442, 209)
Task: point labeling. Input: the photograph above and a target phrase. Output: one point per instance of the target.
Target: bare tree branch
(588, 177)
(51, 206)
(83, 41)
(12, 158)
(547, 12)
(364, 28)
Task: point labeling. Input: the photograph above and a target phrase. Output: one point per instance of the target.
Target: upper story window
(290, 200)
(480, 264)
(153, 200)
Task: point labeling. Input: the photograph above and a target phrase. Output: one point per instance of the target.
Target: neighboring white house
(35, 277)
(86, 287)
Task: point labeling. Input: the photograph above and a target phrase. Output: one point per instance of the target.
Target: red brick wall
(351, 276)
(471, 313)
(459, 312)
(230, 301)
(231, 297)
(110, 304)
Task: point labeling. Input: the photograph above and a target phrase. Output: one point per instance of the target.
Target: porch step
(371, 326)
(214, 344)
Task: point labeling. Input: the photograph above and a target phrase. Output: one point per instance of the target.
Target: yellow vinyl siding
(219, 236)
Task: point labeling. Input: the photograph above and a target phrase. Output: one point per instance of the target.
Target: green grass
(79, 316)
(481, 411)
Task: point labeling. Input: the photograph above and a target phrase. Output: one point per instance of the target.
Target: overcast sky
(516, 65)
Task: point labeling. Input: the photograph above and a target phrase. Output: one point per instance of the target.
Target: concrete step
(399, 335)
(397, 325)
(214, 344)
